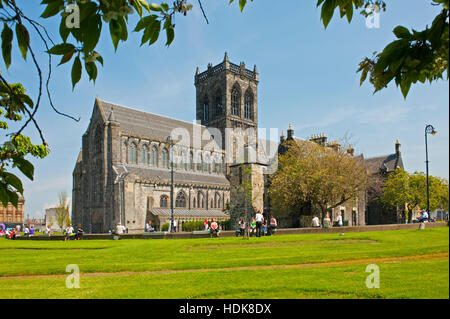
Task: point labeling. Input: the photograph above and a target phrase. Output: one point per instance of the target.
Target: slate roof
(151, 125)
(386, 163)
(163, 174)
(187, 212)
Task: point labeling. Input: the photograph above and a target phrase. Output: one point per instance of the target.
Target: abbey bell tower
(227, 97)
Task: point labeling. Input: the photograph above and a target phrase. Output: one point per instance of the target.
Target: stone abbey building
(123, 171)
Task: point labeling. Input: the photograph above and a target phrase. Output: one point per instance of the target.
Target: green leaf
(23, 39)
(7, 36)
(115, 31)
(63, 30)
(155, 7)
(242, 4)
(327, 11)
(53, 8)
(25, 167)
(405, 85)
(92, 34)
(4, 198)
(165, 6)
(61, 49)
(402, 33)
(170, 32)
(76, 71)
(66, 57)
(13, 197)
(14, 181)
(91, 69)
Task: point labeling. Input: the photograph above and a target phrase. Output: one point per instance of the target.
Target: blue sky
(307, 78)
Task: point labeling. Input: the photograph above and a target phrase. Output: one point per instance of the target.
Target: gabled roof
(153, 126)
(386, 163)
(179, 176)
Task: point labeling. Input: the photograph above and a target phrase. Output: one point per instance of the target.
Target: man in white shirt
(120, 228)
(259, 218)
(315, 222)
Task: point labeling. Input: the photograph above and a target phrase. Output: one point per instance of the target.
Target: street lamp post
(120, 179)
(429, 129)
(170, 141)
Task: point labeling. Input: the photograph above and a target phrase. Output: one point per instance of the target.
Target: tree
(414, 56)
(62, 210)
(403, 189)
(81, 24)
(323, 177)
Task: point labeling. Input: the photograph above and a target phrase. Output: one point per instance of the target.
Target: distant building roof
(387, 163)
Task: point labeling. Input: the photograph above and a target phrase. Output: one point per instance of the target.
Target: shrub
(165, 227)
(194, 225)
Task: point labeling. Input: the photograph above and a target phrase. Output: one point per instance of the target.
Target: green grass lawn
(413, 264)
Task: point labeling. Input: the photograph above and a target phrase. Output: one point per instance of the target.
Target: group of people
(258, 226)
(12, 233)
(327, 221)
(69, 231)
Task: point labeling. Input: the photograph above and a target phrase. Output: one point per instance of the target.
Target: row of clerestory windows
(203, 163)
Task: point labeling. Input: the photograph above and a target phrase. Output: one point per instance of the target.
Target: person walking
(259, 218)
(205, 224)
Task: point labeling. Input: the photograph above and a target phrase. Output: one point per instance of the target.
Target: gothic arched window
(132, 153)
(205, 109)
(163, 200)
(154, 156)
(217, 201)
(235, 100)
(164, 158)
(248, 107)
(144, 154)
(200, 200)
(98, 140)
(180, 200)
(218, 103)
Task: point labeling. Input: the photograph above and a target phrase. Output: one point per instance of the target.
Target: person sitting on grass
(214, 228)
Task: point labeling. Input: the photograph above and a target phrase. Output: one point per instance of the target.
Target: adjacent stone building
(11, 216)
